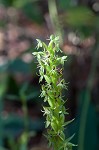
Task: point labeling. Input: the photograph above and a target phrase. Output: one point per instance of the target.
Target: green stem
(1, 121)
(54, 19)
(26, 121)
(87, 99)
(25, 111)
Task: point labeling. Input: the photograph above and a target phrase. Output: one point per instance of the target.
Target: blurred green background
(77, 24)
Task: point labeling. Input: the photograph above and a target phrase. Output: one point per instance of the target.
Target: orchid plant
(50, 65)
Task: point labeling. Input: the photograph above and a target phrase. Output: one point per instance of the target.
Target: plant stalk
(54, 19)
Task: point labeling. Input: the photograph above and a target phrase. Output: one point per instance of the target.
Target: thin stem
(26, 121)
(54, 19)
(1, 121)
(25, 111)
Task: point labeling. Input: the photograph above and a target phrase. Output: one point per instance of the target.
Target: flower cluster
(51, 71)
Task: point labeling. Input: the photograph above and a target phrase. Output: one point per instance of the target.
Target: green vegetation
(76, 22)
(50, 66)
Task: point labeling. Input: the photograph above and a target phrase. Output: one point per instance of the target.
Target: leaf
(47, 79)
(79, 16)
(47, 123)
(62, 136)
(70, 138)
(68, 122)
(24, 88)
(62, 118)
(51, 102)
(3, 83)
(19, 4)
(48, 68)
(65, 4)
(54, 126)
(18, 65)
(50, 94)
(33, 95)
(30, 8)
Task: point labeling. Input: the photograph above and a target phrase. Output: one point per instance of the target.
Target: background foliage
(21, 22)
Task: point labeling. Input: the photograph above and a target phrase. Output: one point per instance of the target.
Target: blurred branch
(3, 85)
(54, 19)
(25, 136)
(1, 122)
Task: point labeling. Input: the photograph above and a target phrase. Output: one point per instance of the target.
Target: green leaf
(50, 94)
(54, 126)
(33, 95)
(47, 79)
(20, 4)
(68, 122)
(62, 136)
(47, 123)
(51, 102)
(78, 16)
(24, 88)
(33, 12)
(70, 138)
(18, 65)
(48, 68)
(65, 4)
(62, 118)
